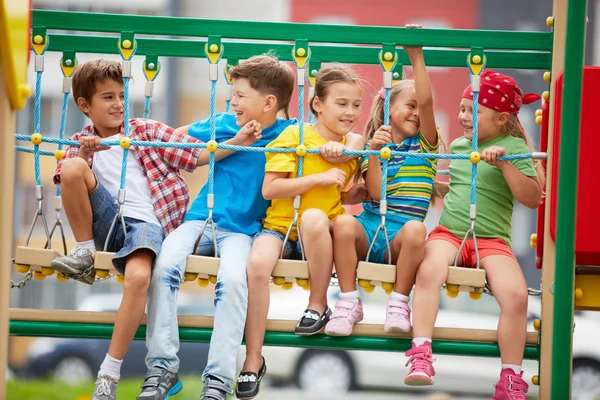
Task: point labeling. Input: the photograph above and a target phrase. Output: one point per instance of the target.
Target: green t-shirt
(493, 196)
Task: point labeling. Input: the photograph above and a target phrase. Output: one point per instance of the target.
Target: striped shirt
(409, 183)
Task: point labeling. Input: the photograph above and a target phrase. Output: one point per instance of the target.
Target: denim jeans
(231, 299)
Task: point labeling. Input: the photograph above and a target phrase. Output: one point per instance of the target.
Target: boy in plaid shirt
(155, 204)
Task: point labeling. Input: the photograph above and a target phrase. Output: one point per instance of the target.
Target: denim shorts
(291, 250)
(370, 223)
(140, 234)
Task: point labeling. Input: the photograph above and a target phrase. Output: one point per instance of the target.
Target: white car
(321, 370)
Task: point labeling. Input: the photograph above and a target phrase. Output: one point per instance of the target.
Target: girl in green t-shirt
(499, 183)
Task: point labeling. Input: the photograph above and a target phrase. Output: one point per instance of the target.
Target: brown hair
(268, 75)
(89, 74)
(336, 73)
(512, 127)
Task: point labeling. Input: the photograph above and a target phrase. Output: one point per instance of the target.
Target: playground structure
(540, 50)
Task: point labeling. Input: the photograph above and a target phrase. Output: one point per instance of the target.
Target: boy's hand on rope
(90, 144)
(250, 133)
(356, 195)
(381, 137)
(491, 154)
(332, 150)
(332, 177)
(413, 50)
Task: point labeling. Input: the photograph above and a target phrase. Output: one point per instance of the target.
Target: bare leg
(137, 280)
(431, 275)
(261, 262)
(77, 180)
(318, 248)
(408, 248)
(508, 284)
(349, 246)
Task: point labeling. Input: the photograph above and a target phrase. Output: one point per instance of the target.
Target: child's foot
(421, 369)
(75, 263)
(511, 386)
(312, 322)
(248, 383)
(397, 317)
(106, 388)
(214, 389)
(345, 316)
(159, 384)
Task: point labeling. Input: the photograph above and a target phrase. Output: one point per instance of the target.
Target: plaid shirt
(170, 193)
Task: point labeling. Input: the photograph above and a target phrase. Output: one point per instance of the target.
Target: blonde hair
(376, 115)
(268, 75)
(512, 127)
(326, 77)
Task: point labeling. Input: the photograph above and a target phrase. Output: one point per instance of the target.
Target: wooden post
(549, 263)
(7, 182)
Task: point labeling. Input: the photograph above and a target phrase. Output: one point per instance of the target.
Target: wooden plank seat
(372, 274)
(203, 268)
(471, 280)
(288, 271)
(36, 259)
(104, 266)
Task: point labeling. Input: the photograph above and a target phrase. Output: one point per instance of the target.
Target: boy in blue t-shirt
(262, 87)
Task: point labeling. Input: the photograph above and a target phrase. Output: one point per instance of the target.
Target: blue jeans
(140, 234)
(231, 299)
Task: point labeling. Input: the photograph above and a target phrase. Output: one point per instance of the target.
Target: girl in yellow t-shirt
(336, 105)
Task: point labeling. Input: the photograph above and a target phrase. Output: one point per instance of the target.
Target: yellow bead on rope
(212, 146)
(125, 142)
(385, 153)
(301, 150)
(475, 157)
(36, 138)
(58, 154)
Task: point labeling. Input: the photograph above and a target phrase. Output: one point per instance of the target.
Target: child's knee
(314, 221)
(73, 168)
(138, 279)
(413, 233)
(344, 226)
(515, 301)
(431, 274)
(257, 272)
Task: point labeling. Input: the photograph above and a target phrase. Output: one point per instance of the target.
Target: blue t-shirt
(239, 204)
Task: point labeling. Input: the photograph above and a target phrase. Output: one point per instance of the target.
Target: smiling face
(247, 103)
(105, 108)
(404, 113)
(340, 109)
(489, 122)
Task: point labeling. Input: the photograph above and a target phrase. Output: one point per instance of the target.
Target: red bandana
(500, 92)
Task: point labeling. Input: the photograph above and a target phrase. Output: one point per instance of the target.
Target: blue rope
(474, 146)
(63, 126)
(125, 131)
(147, 107)
(141, 143)
(227, 105)
(213, 130)
(386, 122)
(301, 124)
(32, 151)
(38, 102)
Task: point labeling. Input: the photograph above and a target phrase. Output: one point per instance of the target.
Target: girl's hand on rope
(250, 133)
(413, 50)
(332, 150)
(381, 137)
(356, 195)
(491, 154)
(332, 177)
(90, 144)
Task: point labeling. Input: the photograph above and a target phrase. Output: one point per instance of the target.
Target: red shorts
(487, 247)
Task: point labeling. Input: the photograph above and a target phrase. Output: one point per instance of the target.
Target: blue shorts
(140, 234)
(291, 251)
(370, 223)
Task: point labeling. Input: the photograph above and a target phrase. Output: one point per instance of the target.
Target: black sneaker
(312, 322)
(159, 384)
(248, 383)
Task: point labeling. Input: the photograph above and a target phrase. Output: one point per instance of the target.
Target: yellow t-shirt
(327, 198)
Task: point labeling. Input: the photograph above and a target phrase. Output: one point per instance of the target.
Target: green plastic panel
(286, 31)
